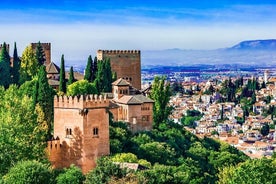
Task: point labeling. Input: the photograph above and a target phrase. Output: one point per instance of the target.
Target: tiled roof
(52, 68)
(121, 82)
(134, 99)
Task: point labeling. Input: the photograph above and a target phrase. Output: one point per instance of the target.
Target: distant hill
(256, 45)
(249, 52)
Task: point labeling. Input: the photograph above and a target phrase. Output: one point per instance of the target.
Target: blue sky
(79, 28)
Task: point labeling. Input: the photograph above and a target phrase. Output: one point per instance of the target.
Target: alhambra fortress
(81, 123)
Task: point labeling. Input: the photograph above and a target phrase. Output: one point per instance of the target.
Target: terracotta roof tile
(52, 68)
(121, 82)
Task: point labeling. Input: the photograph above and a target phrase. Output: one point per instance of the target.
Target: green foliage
(265, 129)
(22, 136)
(16, 67)
(81, 87)
(5, 74)
(119, 137)
(71, 175)
(103, 79)
(177, 88)
(190, 118)
(31, 172)
(160, 93)
(71, 77)
(29, 66)
(45, 97)
(62, 82)
(257, 171)
(130, 158)
(39, 54)
(88, 74)
(104, 171)
(95, 68)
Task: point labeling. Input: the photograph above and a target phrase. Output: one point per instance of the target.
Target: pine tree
(45, 97)
(71, 76)
(16, 66)
(39, 54)
(62, 82)
(89, 70)
(5, 68)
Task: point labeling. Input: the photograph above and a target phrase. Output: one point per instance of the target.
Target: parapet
(81, 102)
(120, 51)
(46, 46)
(54, 145)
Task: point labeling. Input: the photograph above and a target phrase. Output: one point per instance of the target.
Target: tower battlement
(81, 102)
(54, 145)
(47, 51)
(120, 51)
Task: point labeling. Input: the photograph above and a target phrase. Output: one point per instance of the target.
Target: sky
(79, 28)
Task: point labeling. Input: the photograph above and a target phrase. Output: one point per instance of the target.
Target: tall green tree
(16, 67)
(95, 68)
(5, 68)
(103, 79)
(62, 82)
(39, 54)
(71, 76)
(45, 97)
(160, 93)
(88, 75)
(28, 66)
(108, 75)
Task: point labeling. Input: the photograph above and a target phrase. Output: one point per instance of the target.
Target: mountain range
(250, 52)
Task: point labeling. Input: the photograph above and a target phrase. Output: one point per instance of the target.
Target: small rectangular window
(95, 132)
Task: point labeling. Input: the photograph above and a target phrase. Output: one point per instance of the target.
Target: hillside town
(227, 121)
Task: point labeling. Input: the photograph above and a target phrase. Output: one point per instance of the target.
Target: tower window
(68, 132)
(95, 132)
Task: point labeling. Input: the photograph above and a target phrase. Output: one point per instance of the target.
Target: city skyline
(77, 29)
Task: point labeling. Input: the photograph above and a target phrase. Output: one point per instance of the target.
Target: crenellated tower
(47, 51)
(81, 131)
(126, 63)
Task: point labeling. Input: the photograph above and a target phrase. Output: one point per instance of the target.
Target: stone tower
(81, 131)
(126, 64)
(47, 51)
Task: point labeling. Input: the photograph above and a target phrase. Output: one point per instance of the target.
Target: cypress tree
(108, 75)
(71, 76)
(95, 69)
(62, 83)
(45, 97)
(5, 68)
(39, 54)
(16, 66)
(89, 70)
(99, 81)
